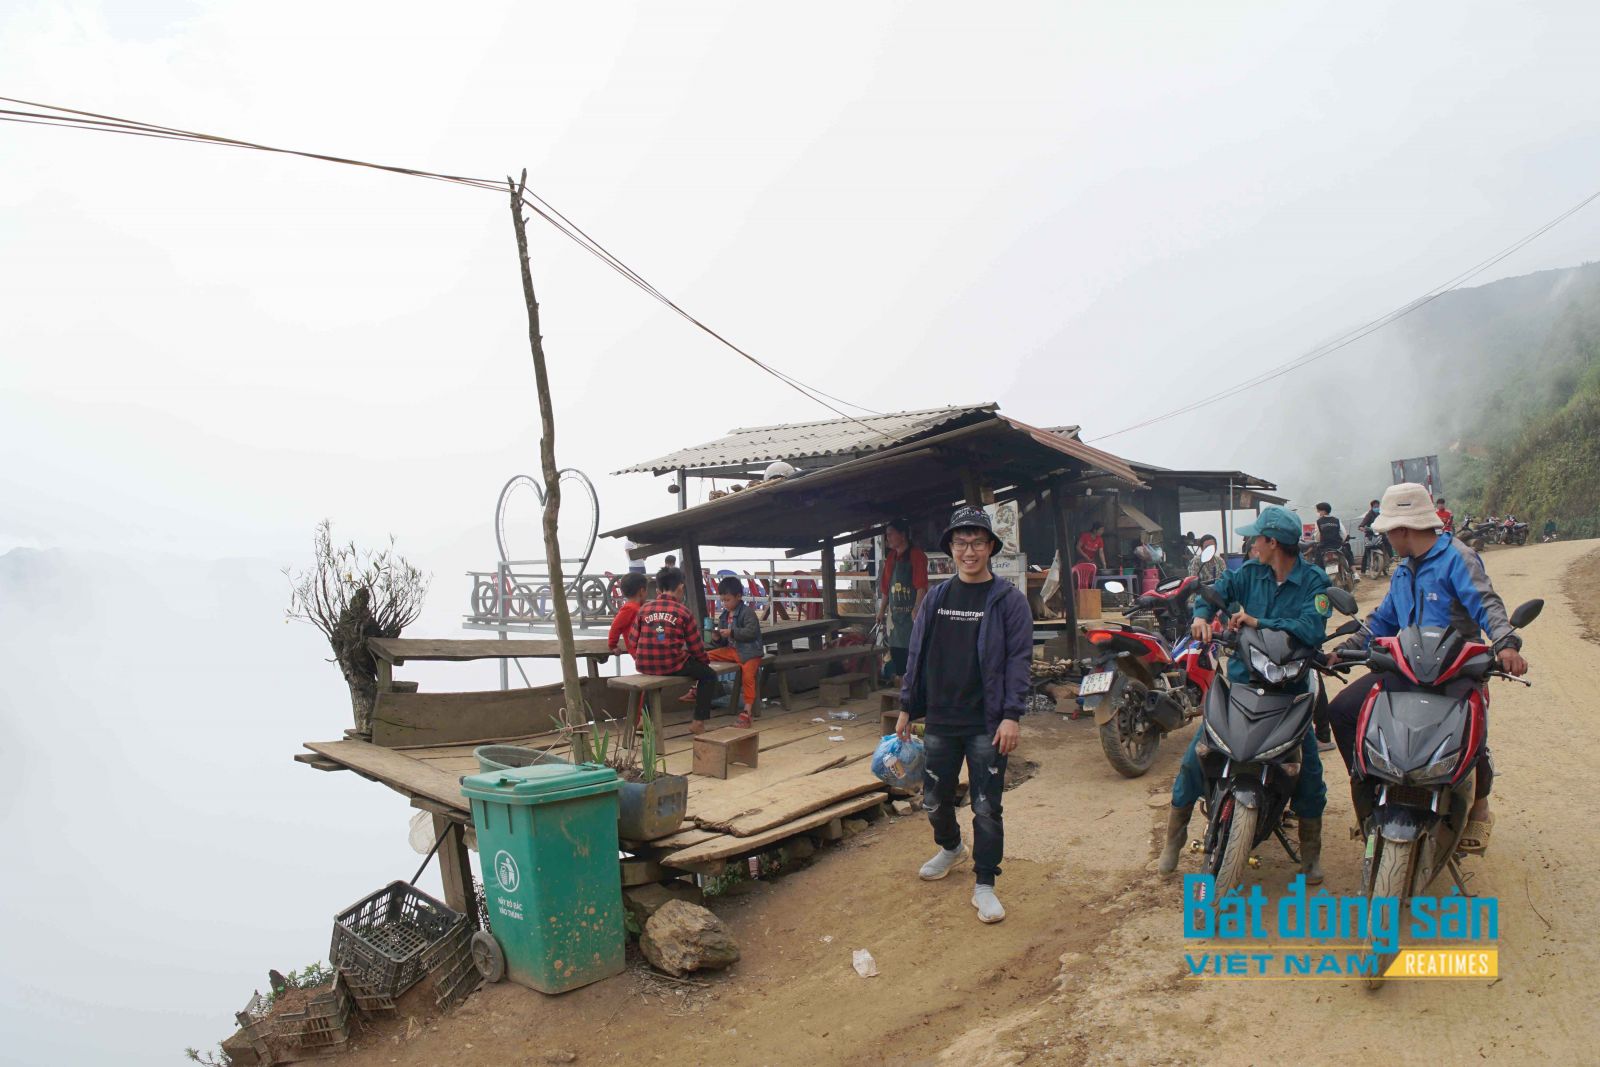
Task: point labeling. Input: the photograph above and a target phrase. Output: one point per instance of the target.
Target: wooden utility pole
(572, 687)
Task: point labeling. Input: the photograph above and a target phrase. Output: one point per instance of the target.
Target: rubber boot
(1311, 850)
(1177, 830)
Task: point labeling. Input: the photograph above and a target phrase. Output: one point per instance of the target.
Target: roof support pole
(694, 585)
(830, 582)
(683, 490)
(974, 488)
(1062, 504)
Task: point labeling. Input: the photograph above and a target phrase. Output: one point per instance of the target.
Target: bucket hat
(1409, 505)
(968, 518)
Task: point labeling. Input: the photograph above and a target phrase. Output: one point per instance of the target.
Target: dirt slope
(1088, 967)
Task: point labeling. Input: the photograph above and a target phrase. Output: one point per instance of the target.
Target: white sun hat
(1409, 505)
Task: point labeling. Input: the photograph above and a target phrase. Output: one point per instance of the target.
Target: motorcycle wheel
(1129, 753)
(1236, 849)
(1392, 879)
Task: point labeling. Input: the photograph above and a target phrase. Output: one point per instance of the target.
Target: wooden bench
(783, 663)
(838, 688)
(714, 752)
(652, 688)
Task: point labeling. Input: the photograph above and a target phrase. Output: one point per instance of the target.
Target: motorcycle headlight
(1295, 671)
(1274, 753)
(1262, 664)
(1441, 767)
(1218, 741)
(1378, 759)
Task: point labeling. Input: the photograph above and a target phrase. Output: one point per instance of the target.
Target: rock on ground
(645, 900)
(682, 937)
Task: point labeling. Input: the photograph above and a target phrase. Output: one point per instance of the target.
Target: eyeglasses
(969, 546)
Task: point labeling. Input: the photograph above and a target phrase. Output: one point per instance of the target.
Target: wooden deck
(810, 773)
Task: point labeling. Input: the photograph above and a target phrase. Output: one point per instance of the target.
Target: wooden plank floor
(795, 744)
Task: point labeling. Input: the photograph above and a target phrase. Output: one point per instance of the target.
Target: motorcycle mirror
(1208, 553)
(1114, 587)
(1526, 613)
(1212, 597)
(1342, 601)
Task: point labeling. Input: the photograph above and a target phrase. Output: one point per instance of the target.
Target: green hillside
(1522, 405)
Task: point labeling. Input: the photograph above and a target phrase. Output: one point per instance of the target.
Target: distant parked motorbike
(1376, 555)
(1141, 684)
(1418, 739)
(1513, 532)
(1250, 753)
(1333, 561)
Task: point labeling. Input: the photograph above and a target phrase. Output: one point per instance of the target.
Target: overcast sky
(1084, 215)
(1088, 213)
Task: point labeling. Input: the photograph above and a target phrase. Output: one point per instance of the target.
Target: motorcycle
(1514, 532)
(1332, 561)
(1141, 684)
(1418, 738)
(1375, 555)
(1250, 753)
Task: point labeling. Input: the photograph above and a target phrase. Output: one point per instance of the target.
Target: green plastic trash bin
(547, 837)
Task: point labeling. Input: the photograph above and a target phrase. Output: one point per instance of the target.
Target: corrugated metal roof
(799, 441)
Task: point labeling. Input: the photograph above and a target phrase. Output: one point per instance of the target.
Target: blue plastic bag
(899, 763)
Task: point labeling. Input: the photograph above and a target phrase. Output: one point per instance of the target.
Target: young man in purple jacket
(967, 675)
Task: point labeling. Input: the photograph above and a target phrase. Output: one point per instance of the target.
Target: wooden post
(1064, 547)
(830, 582)
(694, 585)
(1223, 539)
(577, 713)
(455, 868)
(683, 490)
(975, 488)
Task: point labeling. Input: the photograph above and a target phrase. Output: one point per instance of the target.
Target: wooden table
(785, 634)
(391, 652)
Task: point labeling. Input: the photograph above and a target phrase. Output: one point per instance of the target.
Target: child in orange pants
(738, 640)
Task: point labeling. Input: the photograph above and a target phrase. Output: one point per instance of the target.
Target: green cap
(1275, 522)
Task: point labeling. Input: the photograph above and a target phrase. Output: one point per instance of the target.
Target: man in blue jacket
(1438, 582)
(1275, 590)
(967, 675)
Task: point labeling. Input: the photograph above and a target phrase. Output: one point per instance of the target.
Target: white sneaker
(942, 863)
(988, 905)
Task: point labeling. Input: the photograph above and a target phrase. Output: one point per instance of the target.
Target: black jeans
(1344, 712)
(705, 689)
(986, 779)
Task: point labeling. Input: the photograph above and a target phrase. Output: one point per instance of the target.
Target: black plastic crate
(449, 963)
(324, 1021)
(381, 939)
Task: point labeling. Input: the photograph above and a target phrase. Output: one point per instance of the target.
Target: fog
(1088, 213)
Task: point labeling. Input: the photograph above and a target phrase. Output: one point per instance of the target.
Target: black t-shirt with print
(954, 686)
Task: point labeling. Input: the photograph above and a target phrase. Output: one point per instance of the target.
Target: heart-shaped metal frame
(566, 475)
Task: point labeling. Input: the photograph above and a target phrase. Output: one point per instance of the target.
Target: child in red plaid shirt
(666, 640)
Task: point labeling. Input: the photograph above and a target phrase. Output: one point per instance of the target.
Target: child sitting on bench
(738, 640)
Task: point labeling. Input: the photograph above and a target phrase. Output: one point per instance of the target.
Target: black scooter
(1250, 753)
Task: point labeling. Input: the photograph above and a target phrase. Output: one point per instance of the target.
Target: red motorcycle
(1143, 684)
(1418, 739)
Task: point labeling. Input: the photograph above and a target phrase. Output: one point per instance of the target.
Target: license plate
(1332, 569)
(1096, 683)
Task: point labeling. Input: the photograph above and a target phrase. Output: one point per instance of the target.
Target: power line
(94, 122)
(1351, 336)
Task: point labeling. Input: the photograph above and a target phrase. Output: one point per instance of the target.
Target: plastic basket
(381, 939)
(324, 1021)
(449, 963)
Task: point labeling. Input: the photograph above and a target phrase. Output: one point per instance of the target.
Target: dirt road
(1088, 967)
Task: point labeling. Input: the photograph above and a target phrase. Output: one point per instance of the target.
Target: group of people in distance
(664, 638)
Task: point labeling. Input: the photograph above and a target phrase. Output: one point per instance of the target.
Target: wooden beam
(455, 868)
(694, 580)
(830, 581)
(1064, 547)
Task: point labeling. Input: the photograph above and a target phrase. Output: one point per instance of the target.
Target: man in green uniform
(1275, 590)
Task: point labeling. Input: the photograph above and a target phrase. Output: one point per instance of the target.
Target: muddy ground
(1088, 967)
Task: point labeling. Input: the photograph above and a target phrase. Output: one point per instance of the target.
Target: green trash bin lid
(543, 783)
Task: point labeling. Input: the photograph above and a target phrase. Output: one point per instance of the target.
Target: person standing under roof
(902, 584)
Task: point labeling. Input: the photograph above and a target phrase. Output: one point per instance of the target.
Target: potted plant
(650, 802)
